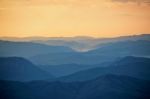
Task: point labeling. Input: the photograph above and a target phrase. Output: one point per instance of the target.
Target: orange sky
(56, 18)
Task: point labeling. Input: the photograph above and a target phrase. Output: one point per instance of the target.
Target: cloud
(133, 1)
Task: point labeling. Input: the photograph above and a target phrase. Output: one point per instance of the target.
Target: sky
(67, 18)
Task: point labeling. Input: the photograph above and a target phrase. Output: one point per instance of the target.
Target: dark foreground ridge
(103, 87)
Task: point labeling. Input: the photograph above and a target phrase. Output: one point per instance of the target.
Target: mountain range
(103, 87)
(20, 69)
(79, 43)
(67, 69)
(75, 67)
(57, 54)
(137, 67)
(28, 49)
(104, 53)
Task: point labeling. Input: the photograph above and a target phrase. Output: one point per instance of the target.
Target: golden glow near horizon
(56, 18)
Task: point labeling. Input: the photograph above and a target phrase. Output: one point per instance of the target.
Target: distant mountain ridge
(79, 43)
(42, 54)
(28, 49)
(32, 38)
(104, 53)
(124, 48)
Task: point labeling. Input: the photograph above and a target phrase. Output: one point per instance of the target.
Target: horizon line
(82, 36)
